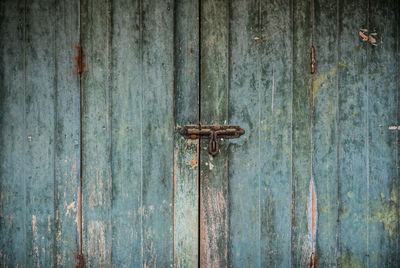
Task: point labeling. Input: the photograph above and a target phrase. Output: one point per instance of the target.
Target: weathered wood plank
(13, 137)
(66, 133)
(186, 156)
(96, 133)
(39, 126)
(275, 114)
(46, 126)
(126, 92)
(157, 132)
(244, 153)
(325, 130)
(353, 176)
(214, 222)
(301, 129)
(383, 184)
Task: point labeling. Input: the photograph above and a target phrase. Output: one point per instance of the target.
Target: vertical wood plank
(275, 114)
(301, 127)
(126, 92)
(13, 137)
(325, 129)
(96, 133)
(244, 157)
(383, 185)
(157, 132)
(186, 156)
(46, 167)
(214, 66)
(353, 175)
(39, 127)
(66, 133)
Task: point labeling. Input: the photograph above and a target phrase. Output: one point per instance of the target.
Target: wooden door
(95, 172)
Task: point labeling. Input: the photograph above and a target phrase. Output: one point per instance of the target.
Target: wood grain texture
(383, 185)
(66, 134)
(39, 127)
(301, 129)
(40, 134)
(214, 65)
(186, 155)
(96, 133)
(13, 137)
(142, 65)
(157, 133)
(244, 157)
(275, 114)
(353, 150)
(126, 107)
(325, 129)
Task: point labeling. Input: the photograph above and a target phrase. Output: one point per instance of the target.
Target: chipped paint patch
(69, 208)
(97, 242)
(194, 160)
(35, 239)
(312, 215)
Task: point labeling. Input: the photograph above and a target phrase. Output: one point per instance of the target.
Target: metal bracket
(213, 133)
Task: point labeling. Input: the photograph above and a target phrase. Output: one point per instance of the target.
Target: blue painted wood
(382, 177)
(353, 150)
(301, 133)
(140, 177)
(186, 152)
(275, 114)
(214, 88)
(325, 131)
(125, 99)
(244, 153)
(66, 134)
(96, 133)
(40, 134)
(13, 137)
(157, 132)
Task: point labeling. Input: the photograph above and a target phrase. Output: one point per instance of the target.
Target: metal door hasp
(213, 133)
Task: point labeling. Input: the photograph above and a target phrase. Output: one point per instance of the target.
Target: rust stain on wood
(79, 219)
(312, 261)
(194, 160)
(80, 64)
(312, 218)
(80, 262)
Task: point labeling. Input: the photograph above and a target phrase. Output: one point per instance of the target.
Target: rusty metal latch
(213, 133)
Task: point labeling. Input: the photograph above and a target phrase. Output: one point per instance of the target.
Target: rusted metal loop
(213, 145)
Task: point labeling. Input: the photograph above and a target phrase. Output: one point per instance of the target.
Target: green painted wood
(214, 86)
(39, 128)
(353, 150)
(382, 90)
(244, 153)
(126, 168)
(127, 133)
(275, 114)
(260, 166)
(325, 129)
(157, 132)
(66, 134)
(96, 133)
(40, 134)
(140, 177)
(13, 137)
(301, 133)
(186, 156)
